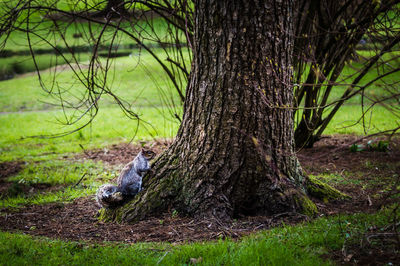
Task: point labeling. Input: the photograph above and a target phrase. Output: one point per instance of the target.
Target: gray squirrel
(130, 179)
(129, 182)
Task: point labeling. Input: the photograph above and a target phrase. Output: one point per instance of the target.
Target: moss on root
(302, 203)
(323, 191)
(308, 207)
(106, 215)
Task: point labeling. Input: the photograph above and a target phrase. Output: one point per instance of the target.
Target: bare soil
(369, 177)
(9, 169)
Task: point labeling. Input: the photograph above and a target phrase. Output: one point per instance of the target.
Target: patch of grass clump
(65, 194)
(109, 127)
(338, 178)
(69, 180)
(60, 172)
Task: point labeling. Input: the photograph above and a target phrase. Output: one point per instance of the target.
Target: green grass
(302, 244)
(351, 71)
(71, 178)
(32, 115)
(137, 79)
(347, 121)
(57, 172)
(110, 126)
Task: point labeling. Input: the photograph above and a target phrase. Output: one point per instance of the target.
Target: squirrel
(130, 179)
(129, 182)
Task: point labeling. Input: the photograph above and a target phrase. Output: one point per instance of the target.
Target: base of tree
(150, 203)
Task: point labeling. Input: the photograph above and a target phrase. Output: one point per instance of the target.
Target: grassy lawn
(26, 111)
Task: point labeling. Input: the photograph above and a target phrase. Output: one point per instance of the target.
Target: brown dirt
(9, 169)
(123, 153)
(332, 154)
(368, 177)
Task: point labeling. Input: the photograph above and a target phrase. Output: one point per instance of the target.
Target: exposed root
(323, 191)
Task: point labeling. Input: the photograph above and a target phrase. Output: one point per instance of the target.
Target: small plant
(382, 146)
(357, 147)
(174, 214)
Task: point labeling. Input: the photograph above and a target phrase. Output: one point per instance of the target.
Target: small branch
(80, 179)
(177, 117)
(84, 150)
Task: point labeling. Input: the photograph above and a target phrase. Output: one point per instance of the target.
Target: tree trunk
(233, 154)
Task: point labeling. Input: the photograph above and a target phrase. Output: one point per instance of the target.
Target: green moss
(107, 215)
(102, 214)
(301, 201)
(321, 190)
(117, 215)
(307, 206)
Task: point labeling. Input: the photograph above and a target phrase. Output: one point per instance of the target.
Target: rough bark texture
(233, 154)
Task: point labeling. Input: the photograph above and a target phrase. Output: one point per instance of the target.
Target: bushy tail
(109, 196)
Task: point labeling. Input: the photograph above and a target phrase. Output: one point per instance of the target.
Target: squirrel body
(129, 182)
(130, 179)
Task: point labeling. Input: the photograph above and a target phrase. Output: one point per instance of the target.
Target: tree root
(323, 191)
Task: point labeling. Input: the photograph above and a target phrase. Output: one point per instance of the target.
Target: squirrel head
(148, 154)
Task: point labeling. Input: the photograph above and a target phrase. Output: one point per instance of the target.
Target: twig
(177, 117)
(84, 150)
(165, 254)
(80, 179)
(369, 200)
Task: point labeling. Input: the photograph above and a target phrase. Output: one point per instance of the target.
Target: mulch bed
(121, 154)
(78, 220)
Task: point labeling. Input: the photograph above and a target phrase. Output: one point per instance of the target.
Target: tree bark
(233, 154)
